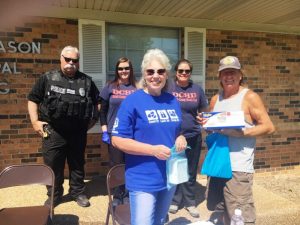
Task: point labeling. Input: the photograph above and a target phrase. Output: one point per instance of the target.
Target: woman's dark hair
(132, 80)
(183, 61)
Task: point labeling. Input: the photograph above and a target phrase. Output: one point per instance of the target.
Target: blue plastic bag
(217, 159)
(177, 168)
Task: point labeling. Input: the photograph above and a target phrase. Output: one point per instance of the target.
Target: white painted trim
(97, 127)
(96, 22)
(203, 31)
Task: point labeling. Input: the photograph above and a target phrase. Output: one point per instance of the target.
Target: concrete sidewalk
(272, 209)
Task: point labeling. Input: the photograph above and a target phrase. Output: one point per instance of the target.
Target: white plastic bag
(177, 168)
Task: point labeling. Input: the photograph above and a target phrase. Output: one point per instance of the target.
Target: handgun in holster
(47, 131)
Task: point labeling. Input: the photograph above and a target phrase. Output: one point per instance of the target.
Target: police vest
(67, 98)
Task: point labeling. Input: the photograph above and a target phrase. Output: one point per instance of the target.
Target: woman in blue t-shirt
(192, 101)
(111, 97)
(146, 127)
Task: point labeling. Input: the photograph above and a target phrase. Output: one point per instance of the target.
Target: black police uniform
(67, 105)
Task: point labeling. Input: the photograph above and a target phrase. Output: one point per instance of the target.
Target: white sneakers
(173, 209)
(193, 211)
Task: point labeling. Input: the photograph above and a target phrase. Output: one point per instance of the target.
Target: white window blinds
(92, 50)
(92, 54)
(194, 51)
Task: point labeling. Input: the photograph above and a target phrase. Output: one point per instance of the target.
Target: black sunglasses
(150, 72)
(123, 68)
(70, 59)
(180, 71)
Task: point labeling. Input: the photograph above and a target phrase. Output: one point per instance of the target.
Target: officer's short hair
(71, 49)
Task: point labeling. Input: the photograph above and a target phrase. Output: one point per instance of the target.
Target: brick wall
(271, 66)
(19, 143)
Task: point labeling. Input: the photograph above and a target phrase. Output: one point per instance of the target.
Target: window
(100, 48)
(133, 41)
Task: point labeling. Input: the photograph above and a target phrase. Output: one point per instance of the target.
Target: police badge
(82, 92)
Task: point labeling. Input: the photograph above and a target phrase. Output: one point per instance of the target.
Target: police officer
(63, 105)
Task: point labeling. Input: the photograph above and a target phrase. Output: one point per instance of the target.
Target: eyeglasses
(70, 59)
(151, 72)
(180, 71)
(123, 68)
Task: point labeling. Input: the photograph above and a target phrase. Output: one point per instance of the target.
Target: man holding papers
(225, 195)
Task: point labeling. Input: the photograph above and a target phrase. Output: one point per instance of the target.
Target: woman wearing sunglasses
(111, 97)
(192, 100)
(147, 126)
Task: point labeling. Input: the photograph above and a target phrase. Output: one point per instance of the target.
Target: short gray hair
(158, 55)
(70, 48)
(151, 55)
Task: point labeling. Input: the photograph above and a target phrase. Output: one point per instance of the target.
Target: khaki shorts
(228, 195)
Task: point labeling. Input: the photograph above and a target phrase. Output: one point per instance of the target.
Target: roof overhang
(279, 16)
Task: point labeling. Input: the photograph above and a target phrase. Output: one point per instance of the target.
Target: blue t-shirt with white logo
(154, 120)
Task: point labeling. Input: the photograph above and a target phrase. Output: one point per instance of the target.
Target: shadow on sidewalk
(96, 186)
(182, 216)
(200, 194)
(65, 219)
(179, 221)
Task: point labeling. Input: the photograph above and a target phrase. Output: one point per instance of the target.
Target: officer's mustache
(70, 66)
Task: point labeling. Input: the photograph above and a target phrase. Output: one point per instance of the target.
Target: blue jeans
(150, 208)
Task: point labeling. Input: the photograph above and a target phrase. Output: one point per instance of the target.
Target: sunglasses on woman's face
(70, 59)
(151, 72)
(123, 68)
(180, 71)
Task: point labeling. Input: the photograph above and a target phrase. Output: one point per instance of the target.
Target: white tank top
(241, 148)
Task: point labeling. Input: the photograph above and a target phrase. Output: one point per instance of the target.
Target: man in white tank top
(225, 195)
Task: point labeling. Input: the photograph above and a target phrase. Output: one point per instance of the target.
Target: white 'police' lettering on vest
(62, 90)
(58, 89)
(70, 91)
